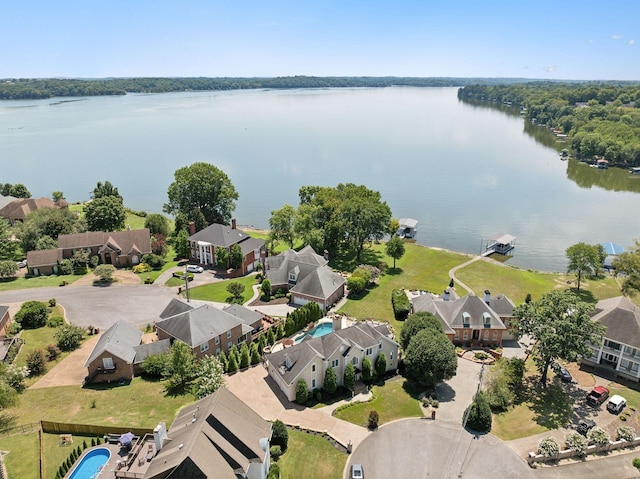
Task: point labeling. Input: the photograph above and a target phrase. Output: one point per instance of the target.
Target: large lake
(467, 173)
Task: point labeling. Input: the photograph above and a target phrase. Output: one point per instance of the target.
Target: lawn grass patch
(55, 454)
(153, 274)
(391, 400)
(217, 291)
(23, 459)
(311, 457)
(12, 284)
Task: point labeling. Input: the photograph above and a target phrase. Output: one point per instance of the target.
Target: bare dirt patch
(121, 276)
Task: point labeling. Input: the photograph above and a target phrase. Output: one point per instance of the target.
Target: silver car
(357, 472)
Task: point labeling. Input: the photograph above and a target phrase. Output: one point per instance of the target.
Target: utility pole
(186, 284)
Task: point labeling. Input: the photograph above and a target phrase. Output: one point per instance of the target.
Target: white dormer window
(293, 274)
(486, 319)
(466, 319)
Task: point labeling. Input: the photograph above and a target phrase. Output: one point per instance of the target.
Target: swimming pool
(320, 330)
(91, 464)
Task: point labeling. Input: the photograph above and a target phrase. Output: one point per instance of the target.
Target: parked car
(598, 395)
(194, 268)
(357, 472)
(564, 375)
(616, 404)
(584, 426)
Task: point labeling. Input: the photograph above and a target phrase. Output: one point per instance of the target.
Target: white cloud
(617, 37)
(551, 68)
(631, 42)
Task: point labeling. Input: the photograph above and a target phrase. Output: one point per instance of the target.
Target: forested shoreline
(20, 89)
(600, 119)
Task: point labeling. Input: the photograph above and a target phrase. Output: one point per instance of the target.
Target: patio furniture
(66, 439)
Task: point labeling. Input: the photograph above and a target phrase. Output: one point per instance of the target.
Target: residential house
(119, 354)
(307, 276)
(310, 358)
(218, 436)
(19, 208)
(204, 244)
(469, 320)
(5, 320)
(619, 351)
(206, 329)
(119, 248)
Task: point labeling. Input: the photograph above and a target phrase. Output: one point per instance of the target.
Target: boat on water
(408, 228)
(635, 170)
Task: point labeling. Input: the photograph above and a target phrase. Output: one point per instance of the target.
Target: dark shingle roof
(119, 340)
(621, 318)
(43, 257)
(156, 347)
(174, 307)
(21, 207)
(322, 282)
(246, 315)
(218, 436)
(125, 241)
(219, 235)
(451, 312)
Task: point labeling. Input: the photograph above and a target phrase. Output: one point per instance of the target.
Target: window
(335, 363)
(229, 345)
(369, 351)
(217, 351)
(455, 335)
(380, 345)
(240, 339)
(354, 361)
(313, 368)
(465, 335)
(313, 384)
(391, 356)
(611, 344)
(486, 334)
(217, 340)
(495, 335)
(204, 347)
(107, 363)
(228, 334)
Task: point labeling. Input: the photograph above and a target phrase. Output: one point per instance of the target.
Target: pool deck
(124, 465)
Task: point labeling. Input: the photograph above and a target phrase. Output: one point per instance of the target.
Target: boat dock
(503, 244)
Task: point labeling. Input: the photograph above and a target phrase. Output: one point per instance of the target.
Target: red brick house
(17, 209)
(5, 320)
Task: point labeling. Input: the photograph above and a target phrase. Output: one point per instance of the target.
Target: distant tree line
(24, 88)
(601, 118)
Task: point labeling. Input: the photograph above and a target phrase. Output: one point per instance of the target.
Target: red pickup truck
(598, 395)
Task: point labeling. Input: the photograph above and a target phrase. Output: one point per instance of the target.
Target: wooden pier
(504, 244)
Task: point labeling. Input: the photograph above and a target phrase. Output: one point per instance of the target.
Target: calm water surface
(467, 173)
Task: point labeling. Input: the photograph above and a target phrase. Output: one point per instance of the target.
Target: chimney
(233, 223)
(446, 295)
(326, 255)
(487, 296)
(192, 228)
(159, 435)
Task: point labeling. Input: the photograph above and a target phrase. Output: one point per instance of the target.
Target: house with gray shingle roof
(119, 353)
(19, 208)
(206, 329)
(468, 320)
(307, 276)
(310, 358)
(620, 346)
(218, 436)
(204, 244)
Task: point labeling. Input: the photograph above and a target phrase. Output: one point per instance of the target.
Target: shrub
(156, 365)
(330, 381)
(280, 435)
(255, 354)
(232, 364)
(142, 268)
(302, 392)
(401, 304)
(625, 433)
(381, 364)
(154, 261)
(599, 437)
(274, 471)
(265, 287)
(373, 420)
(105, 272)
(94, 261)
(317, 395)
(577, 442)
(55, 321)
(481, 355)
(548, 447)
(36, 361)
(349, 376)
(356, 284)
(52, 302)
(245, 356)
(636, 462)
(275, 452)
(65, 267)
(68, 337)
(15, 376)
(368, 374)
(32, 314)
(478, 414)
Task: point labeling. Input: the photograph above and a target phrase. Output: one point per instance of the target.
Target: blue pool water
(319, 330)
(91, 464)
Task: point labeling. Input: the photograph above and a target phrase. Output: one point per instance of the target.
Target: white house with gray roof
(619, 350)
(307, 276)
(310, 358)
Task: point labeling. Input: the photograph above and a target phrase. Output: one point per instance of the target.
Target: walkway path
(452, 272)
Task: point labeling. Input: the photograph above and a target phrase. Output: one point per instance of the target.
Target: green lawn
(218, 291)
(24, 458)
(37, 282)
(311, 457)
(391, 401)
(55, 454)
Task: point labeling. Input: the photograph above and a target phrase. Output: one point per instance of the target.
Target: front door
(476, 334)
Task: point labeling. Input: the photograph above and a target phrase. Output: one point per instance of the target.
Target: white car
(194, 268)
(357, 472)
(616, 404)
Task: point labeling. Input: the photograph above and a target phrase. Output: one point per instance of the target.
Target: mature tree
(47, 222)
(562, 327)
(57, 196)
(181, 244)
(236, 256)
(368, 373)
(106, 189)
(7, 246)
(279, 435)
(159, 244)
(157, 224)
(302, 391)
(80, 258)
(222, 257)
(19, 191)
(210, 376)
(395, 249)
(381, 364)
(105, 213)
(265, 287)
(236, 290)
(282, 225)
(330, 381)
(627, 266)
(232, 364)
(46, 242)
(430, 358)
(68, 337)
(32, 314)
(245, 356)
(203, 187)
(181, 364)
(584, 259)
(417, 322)
(349, 380)
(105, 272)
(477, 416)
(8, 268)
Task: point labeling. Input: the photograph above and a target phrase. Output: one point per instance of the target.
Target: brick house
(19, 208)
(5, 320)
(204, 244)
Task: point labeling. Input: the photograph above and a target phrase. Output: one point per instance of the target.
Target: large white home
(310, 358)
(619, 351)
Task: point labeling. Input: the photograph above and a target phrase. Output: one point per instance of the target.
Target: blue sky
(581, 40)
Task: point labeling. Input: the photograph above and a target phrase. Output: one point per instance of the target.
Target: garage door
(300, 301)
